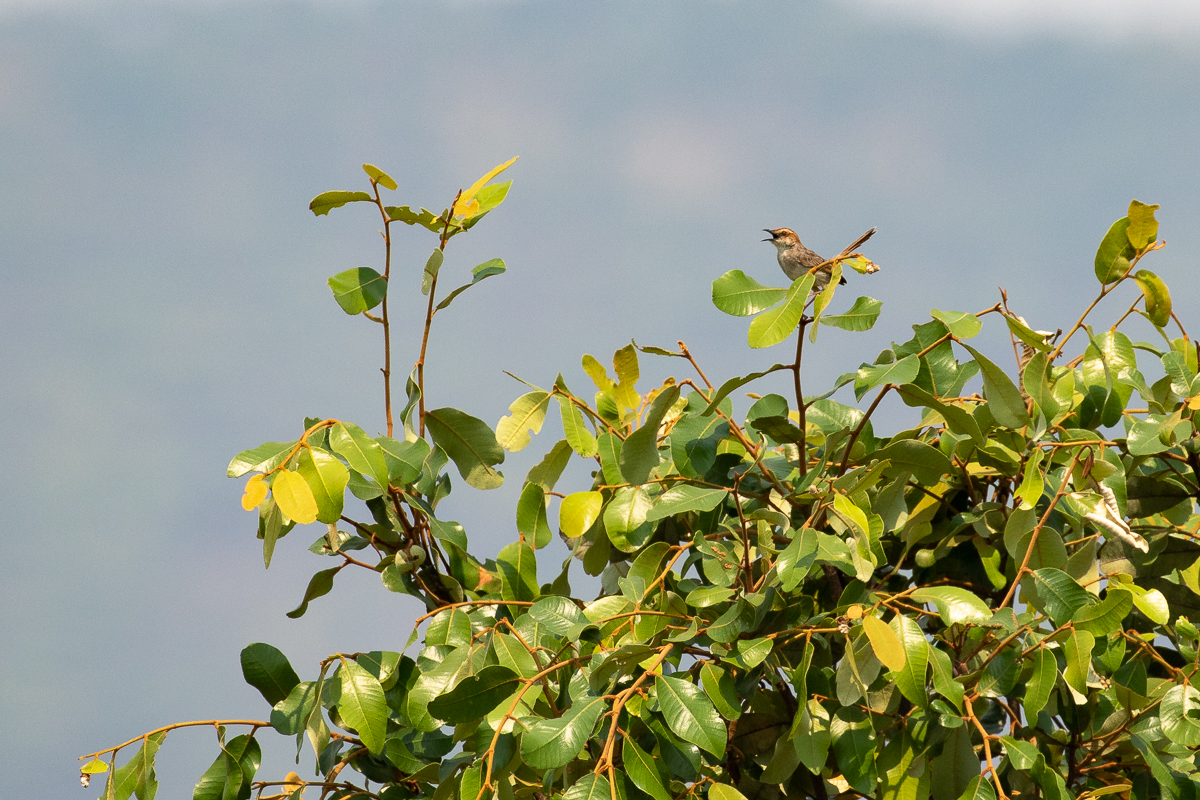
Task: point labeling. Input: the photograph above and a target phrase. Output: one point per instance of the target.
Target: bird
(795, 259)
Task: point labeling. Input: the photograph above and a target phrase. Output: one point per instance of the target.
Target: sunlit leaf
(379, 176)
(860, 317)
(324, 202)
(294, 497)
(255, 493)
(773, 326)
(738, 294)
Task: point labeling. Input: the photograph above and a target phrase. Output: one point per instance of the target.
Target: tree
(992, 603)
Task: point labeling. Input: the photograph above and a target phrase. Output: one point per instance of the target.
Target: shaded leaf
(470, 443)
(357, 290)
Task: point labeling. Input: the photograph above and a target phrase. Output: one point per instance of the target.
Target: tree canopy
(992, 603)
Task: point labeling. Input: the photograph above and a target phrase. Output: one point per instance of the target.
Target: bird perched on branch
(795, 259)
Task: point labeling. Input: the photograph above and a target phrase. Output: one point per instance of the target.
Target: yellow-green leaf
(463, 206)
(578, 512)
(294, 497)
(774, 325)
(1158, 299)
(885, 643)
(1143, 227)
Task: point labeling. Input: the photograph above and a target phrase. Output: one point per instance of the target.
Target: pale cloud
(1088, 20)
(1177, 21)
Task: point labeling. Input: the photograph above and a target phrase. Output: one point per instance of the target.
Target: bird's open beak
(768, 230)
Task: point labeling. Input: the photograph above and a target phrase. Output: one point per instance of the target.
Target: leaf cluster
(992, 603)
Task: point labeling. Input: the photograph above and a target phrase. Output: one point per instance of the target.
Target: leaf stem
(204, 722)
(800, 407)
(383, 317)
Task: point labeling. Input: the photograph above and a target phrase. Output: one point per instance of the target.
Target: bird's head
(783, 238)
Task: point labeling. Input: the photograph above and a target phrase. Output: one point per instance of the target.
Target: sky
(164, 304)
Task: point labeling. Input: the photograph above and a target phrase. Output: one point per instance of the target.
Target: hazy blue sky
(164, 302)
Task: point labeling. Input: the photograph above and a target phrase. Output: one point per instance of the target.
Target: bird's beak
(768, 230)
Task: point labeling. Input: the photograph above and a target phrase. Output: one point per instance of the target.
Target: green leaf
(1078, 647)
(860, 317)
(1036, 380)
(327, 477)
(359, 289)
(1150, 602)
(554, 743)
(1041, 682)
(379, 176)
(928, 463)
(433, 266)
(489, 197)
(625, 518)
(733, 384)
(590, 787)
(1104, 617)
(137, 774)
(263, 458)
(954, 604)
(426, 219)
(430, 685)
(943, 677)
(639, 453)
(959, 323)
(690, 714)
(752, 652)
(1059, 594)
(1158, 299)
(854, 749)
(476, 696)
(1004, 399)
(980, 788)
(230, 775)
(684, 497)
(1143, 227)
(812, 736)
(558, 614)
(526, 414)
(899, 373)
(575, 430)
(546, 472)
(719, 687)
(361, 452)
(267, 669)
(738, 294)
(1114, 253)
(290, 715)
(470, 443)
(643, 770)
(518, 571)
(324, 202)
(479, 273)
(1026, 334)
(360, 702)
(910, 678)
(1179, 715)
(532, 522)
(404, 459)
(319, 585)
(773, 326)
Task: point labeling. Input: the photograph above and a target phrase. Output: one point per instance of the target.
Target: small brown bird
(795, 259)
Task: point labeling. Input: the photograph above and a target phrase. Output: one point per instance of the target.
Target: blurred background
(163, 303)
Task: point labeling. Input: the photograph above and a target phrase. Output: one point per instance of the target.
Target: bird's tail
(858, 242)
